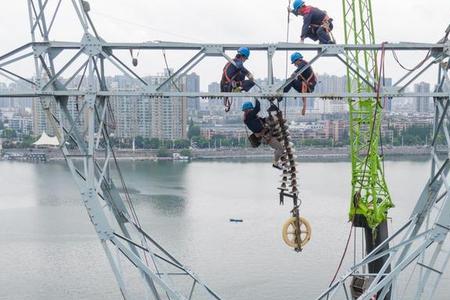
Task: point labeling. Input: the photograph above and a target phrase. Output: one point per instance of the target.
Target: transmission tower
(113, 216)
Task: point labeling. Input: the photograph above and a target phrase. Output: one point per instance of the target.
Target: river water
(49, 250)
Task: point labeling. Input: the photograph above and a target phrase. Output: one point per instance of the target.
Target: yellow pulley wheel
(290, 232)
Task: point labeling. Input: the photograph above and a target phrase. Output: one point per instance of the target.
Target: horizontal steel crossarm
(275, 46)
(325, 96)
(256, 47)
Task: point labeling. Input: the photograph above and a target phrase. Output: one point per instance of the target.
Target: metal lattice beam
(113, 215)
(421, 239)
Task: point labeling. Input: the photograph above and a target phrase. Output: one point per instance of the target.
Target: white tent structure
(45, 140)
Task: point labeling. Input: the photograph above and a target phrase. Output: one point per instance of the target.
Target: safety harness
(308, 82)
(235, 86)
(326, 22)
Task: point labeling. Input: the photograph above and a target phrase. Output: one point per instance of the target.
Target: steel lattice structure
(127, 246)
(421, 239)
(370, 194)
(370, 198)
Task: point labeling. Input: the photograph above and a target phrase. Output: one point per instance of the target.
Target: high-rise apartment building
(163, 118)
(331, 84)
(193, 85)
(423, 104)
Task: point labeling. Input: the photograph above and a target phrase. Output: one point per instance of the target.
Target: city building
(131, 116)
(22, 124)
(193, 85)
(20, 103)
(331, 84)
(423, 104)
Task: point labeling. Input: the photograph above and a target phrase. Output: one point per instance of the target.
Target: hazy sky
(211, 21)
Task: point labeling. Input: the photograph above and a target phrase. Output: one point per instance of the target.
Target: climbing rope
(287, 54)
(414, 68)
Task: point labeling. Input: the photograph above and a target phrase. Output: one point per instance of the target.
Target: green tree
(163, 152)
(27, 141)
(193, 130)
(9, 133)
(186, 152)
(181, 144)
(139, 142)
(200, 142)
(154, 143)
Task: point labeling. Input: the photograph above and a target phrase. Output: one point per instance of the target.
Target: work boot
(277, 165)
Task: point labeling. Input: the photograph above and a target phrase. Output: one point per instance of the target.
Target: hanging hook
(134, 60)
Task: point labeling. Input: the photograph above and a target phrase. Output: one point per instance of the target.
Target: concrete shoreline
(265, 153)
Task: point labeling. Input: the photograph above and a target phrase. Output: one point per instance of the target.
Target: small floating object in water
(236, 220)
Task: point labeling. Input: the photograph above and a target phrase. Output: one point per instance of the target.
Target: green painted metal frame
(370, 195)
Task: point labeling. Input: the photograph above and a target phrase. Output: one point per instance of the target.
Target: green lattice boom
(370, 195)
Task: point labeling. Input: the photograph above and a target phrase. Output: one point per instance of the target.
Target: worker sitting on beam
(261, 132)
(233, 77)
(302, 81)
(316, 23)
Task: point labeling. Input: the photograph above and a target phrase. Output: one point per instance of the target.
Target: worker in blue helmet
(316, 23)
(234, 74)
(261, 132)
(302, 81)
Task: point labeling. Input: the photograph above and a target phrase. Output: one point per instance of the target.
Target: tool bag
(255, 140)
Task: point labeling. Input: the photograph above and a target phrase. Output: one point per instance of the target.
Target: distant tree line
(414, 135)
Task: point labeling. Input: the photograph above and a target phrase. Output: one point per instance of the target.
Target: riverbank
(304, 154)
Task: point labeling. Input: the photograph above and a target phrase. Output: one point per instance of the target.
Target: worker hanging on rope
(302, 82)
(316, 23)
(261, 132)
(233, 77)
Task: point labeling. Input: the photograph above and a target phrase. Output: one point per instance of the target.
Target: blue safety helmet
(296, 56)
(247, 105)
(297, 4)
(244, 51)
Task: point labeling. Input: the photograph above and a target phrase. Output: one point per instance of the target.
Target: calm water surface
(49, 250)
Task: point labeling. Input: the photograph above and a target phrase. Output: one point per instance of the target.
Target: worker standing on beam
(234, 74)
(261, 132)
(302, 82)
(316, 23)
